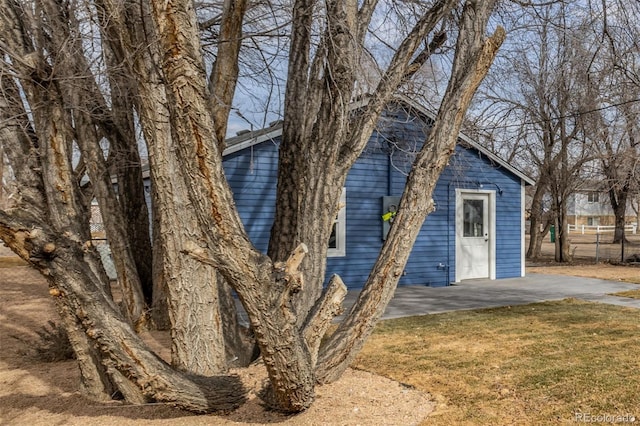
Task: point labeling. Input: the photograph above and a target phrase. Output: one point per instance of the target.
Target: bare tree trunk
(311, 185)
(224, 75)
(474, 55)
(264, 288)
(239, 341)
(2, 188)
(128, 169)
(535, 233)
(562, 243)
(191, 287)
(132, 295)
(20, 145)
(21, 148)
(94, 381)
(79, 91)
(60, 204)
(308, 184)
(620, 213)
(121, 351)
(160, 303)
(111, 355)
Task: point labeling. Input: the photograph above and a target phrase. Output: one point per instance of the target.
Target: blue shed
(476, 231)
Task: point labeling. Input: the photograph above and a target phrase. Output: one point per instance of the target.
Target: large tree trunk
(264, 288)
(111, 356)
(128, 169)
(126, 358)
(78, 91)
(474, 55)
(60, 204)
(327, 130)
(562, 243)
(536, 222)
(20, 146)
(620, 213)
(191, 287)
(619, 188)
(308, 185)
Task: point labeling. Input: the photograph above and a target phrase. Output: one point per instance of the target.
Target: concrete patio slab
(478, 294)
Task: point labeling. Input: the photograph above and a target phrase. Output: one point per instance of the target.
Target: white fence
(600, 229)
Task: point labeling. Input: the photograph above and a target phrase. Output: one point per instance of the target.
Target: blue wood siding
(381, 171)
(252, 176)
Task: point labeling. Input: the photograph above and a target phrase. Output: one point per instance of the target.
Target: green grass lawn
(533, 364)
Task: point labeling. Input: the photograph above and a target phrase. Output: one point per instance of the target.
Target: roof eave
(475, 145)
(253, 138)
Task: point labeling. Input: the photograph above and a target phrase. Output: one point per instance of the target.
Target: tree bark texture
(191, 287)
(77, 91)
(240, 345)
(21, 146)
(618, 200)
(328, 307)
(474, 55)
(224, 76)
(2, 186)
(562, 246)
(106, 344)
(55, 239)
(264, 288)
(121, 350)
(125, 162)
(319, 121)
(537, 220)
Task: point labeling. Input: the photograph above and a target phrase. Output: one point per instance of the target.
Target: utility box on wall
(389, 208)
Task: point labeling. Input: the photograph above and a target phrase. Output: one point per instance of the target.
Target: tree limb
(224, 75)
(474, 55)
(325, 310)
(390, 81)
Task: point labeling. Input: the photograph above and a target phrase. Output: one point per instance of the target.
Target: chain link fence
(595, 243)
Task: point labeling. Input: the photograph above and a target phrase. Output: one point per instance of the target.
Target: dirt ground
(35, 393)
(605, 271)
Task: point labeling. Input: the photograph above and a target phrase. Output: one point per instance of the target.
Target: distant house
(590, 206)
(477, 230)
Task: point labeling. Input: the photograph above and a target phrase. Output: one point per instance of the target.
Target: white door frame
(491, 231)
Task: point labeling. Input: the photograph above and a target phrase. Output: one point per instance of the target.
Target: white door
(474, 236)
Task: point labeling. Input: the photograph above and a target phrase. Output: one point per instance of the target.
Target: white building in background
(593, 208)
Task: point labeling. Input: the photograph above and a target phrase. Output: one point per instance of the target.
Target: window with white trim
(338, 238)
(593, 197)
